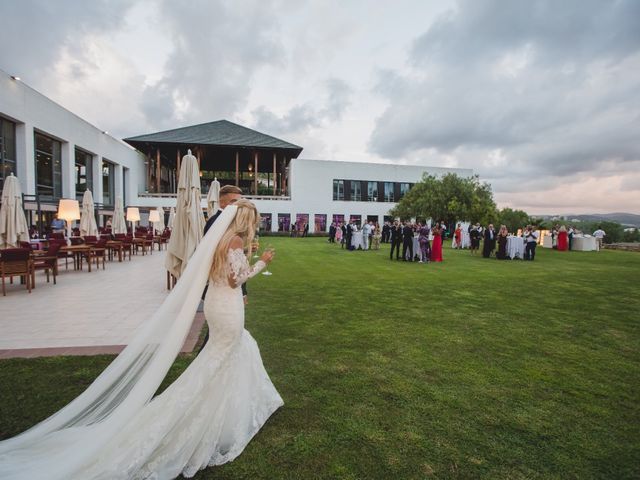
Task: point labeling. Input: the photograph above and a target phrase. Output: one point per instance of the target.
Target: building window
(284, 222)
(7, 149)
(108, 183)
(338, 219)
(48, 167)
(320, 222)
(265, 222)
(372, 191)
(356, 193)
(404, 188)
(84, 173)
(338, 189)
(388, 192)
(357, 219)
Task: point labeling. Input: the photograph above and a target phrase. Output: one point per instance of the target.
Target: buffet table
(584, 243)
(515, 247)
(547, 241)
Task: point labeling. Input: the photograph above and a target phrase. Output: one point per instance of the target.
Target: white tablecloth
(585, 244)
(515, 247)
(547, 241)
(357, 240)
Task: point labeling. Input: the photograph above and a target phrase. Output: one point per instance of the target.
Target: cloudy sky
(540, 98)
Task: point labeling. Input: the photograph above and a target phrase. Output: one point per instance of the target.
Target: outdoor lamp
(154, 217)
(69, 211)
(133, 216)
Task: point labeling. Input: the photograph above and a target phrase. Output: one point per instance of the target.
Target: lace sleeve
(240, 269)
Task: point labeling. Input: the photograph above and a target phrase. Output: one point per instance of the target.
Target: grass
(472, 368)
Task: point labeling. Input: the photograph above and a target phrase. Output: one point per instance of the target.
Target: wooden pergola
(256, 162)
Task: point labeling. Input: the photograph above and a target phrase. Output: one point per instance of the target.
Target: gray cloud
(552, 86)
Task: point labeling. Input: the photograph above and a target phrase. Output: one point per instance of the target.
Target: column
(117, 182)
(97, 179)
(274, 173)
(25, 158)
(237, 169)
(255, 174)
(68, 159)
(157, 170)
(177, 169)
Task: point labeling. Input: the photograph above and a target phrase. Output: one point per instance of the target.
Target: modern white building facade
(56, 154)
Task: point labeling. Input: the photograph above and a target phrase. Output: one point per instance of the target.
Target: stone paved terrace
(85, 313)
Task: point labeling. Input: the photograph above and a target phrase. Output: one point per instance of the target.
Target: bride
(116, 429)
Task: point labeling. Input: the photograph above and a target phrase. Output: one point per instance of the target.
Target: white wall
(32, 110)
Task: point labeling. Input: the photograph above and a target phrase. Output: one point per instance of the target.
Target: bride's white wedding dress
(206, 417)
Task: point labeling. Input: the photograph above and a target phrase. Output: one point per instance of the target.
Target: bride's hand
(267, 256)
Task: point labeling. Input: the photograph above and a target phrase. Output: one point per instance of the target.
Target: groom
(229, 194)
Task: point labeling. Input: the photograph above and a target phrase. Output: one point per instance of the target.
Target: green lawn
(473, 368)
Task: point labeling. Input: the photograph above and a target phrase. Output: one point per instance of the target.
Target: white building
(56, 154)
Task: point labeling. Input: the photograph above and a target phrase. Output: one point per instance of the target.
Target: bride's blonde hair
(244, 226)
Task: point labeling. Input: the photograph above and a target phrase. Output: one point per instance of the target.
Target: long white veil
(74, 436)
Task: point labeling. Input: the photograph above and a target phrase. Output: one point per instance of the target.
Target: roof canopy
(220, 133)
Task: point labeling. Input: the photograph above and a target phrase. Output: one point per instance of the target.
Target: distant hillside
(627, 219)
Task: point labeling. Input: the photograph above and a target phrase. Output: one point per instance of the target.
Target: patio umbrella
(13, 223)
(118, 223)
(159, 225)
(213, 198)
(172, 217)
(188, 225)
(87, 216)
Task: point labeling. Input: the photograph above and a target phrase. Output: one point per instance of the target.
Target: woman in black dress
(502, 243)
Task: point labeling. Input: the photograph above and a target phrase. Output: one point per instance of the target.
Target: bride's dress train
(114, 430)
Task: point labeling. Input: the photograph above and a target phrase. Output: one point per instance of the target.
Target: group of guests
(342, 233)
(562, 237)
(429, 241)
(500, 240)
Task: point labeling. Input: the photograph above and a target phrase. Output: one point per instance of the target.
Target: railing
(249, 197)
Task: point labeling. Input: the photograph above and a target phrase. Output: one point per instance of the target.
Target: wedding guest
(423, 240)
(599, 234)
(475, 234)
(571, 233)
(348, 234)
(563, 241)
(407, 242)
(305, 230)
(436, 246)
(396, 239)
(343, 234)
(489, 241)
(366, 231)
(375, 239)
(501, 254)
(386, 231)
(457, 235)
(531, 238)
(332, 233)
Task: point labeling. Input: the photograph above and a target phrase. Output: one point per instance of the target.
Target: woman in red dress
(563, 239)
(436, 246)
(458, 236)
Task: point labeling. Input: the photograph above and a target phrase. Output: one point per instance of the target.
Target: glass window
(108, 183)
(356, 193)
(284, 222)
(372, 191)
(338, 189)
(404, 188)
(84, 170)
(48, 167)
(388, 192)
(7, 149)
(320, 223)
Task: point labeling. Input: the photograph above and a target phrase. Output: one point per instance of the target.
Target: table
(584, 243)
(114, 245)
(547, 241)
(78, 251)
(515, 247)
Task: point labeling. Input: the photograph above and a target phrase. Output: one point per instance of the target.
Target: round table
(515, 247)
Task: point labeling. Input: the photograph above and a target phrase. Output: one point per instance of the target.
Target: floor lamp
(154, 217)
(69, 211)
(133, 216)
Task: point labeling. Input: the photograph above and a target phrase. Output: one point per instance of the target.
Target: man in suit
(386, 230)
(407, 235)
(348, 234)
(396, 238)
(229, 194)
(489, 241)
(332, 233)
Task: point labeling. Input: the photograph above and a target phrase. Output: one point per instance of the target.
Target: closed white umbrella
(13, 223)
(118, 223)
(189, 221)
(172, 217)
(213, 198)
(159, 225)
(88, 224)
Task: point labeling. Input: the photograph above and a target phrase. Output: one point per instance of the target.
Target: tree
(450, 198)
(513, 219)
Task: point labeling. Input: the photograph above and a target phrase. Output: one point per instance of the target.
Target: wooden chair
(17, 262)
(99, 252)
(48, 262)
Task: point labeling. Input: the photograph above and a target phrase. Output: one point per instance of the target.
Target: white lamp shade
(133, 214)
(68, 210)
(154, 216)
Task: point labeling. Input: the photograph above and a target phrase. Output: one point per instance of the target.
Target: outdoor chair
(49, 261)
(99, 252)
(17, 262)
(90, 239)
(76, 241)
(26, 245)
